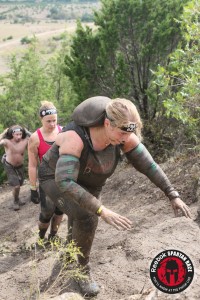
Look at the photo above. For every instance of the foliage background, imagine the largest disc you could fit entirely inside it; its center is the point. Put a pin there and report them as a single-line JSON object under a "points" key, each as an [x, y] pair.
{"points": [[146, 51]]}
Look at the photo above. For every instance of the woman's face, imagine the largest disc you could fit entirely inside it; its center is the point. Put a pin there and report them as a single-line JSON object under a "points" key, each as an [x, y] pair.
{"points": [[115, 135], [49, 122]]}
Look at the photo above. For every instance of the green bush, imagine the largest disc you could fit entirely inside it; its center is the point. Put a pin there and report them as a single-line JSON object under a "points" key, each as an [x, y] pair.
{"points": [[2, 17], [86, 17], [26, 40]]}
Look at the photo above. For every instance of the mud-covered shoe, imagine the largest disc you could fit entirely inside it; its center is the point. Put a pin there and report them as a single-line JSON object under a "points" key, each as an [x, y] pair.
{"points": [[16, 206], [88, 287], [54, 238]]}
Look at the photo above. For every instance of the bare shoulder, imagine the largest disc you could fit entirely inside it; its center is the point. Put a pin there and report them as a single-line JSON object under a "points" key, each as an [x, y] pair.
{"points": [[69, 142], [33, 140], [131, 143]]}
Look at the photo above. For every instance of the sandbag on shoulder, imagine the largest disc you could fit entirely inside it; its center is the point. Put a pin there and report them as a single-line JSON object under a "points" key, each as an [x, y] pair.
{"points": [[91, 112]]}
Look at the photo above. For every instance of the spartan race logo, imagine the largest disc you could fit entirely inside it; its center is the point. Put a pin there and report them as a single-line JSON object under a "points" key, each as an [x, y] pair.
{"points": [[171, 271]]}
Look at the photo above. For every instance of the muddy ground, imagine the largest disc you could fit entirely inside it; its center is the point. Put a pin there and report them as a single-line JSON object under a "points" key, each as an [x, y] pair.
{"points": [[120, 260]]}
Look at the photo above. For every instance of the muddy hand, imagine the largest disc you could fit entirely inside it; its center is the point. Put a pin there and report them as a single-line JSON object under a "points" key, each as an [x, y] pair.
{"points": [[177, 204], [114, 219]]}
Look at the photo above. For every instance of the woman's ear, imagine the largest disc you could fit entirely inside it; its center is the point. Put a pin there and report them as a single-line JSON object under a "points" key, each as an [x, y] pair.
{"points": [[106, 122]]}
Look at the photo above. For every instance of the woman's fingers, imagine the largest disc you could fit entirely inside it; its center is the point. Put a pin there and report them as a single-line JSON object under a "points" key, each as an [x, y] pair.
{"points": [[177, 204], [176, 212], [186, 211], [114, 219], [124, 222], [119, 222]]}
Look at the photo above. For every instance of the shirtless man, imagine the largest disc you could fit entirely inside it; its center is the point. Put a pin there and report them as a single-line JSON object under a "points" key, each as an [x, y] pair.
{"points": [[14, 140]]}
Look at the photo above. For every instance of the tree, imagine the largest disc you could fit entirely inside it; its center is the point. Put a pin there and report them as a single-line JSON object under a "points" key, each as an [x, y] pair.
{"points": [[178, 84], [60, 85], [31, 80], [23, 88], [80, 64], [131, 38]]}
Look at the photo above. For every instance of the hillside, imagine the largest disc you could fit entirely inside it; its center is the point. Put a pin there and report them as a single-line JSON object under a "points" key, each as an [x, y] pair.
{"points": [[120, 260], [43, 19]]}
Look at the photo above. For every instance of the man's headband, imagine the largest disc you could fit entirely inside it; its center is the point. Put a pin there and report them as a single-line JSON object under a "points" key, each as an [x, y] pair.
{"points": [[16, 130], [46, 112]]}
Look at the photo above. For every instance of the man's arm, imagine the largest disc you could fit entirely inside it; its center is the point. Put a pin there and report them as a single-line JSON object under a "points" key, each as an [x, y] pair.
{"points": [[28, 133], [2, 143], [2, 136]]}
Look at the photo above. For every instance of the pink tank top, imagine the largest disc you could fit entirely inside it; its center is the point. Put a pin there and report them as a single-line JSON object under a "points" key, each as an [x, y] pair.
{"points": [[44, 146]]}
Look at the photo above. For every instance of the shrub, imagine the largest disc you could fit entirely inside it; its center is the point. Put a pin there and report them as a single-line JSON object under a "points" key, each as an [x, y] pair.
{"points": [[26, 40]]}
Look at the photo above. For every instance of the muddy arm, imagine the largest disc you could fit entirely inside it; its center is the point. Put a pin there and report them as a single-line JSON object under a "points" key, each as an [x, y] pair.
{"points": [[142, 161], [66, 175], [28, 133]]}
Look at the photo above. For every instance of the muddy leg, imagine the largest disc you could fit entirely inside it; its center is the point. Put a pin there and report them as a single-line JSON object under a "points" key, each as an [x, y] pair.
{"points": [[16, 190], [55, 224], [42, 229], [83, 232]]}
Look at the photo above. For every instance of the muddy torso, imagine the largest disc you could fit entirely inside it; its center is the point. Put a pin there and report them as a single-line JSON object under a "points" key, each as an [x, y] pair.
{"points": [[95, 166]]}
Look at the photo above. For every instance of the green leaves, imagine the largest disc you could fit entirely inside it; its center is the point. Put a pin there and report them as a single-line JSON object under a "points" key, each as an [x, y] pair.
{"points": [[179, 81], [32, 80], [131, 38], [80, 64]]}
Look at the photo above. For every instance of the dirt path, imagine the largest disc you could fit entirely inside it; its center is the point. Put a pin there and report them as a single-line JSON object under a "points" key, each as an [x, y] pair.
{"points": [[41, 32], [16, 42], [10, 47], [120, 260]]}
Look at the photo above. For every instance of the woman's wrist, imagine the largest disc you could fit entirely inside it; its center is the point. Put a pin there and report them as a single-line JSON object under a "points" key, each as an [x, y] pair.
{"points": [[173, 195], [99, 210], [33, 187]]}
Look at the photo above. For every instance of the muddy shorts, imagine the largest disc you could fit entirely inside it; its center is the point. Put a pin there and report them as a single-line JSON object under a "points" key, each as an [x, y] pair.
{"points": [[15, 174]]}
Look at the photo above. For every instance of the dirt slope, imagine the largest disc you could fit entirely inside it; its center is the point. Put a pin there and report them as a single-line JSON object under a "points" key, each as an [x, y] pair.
{"points": [[120, 260]]}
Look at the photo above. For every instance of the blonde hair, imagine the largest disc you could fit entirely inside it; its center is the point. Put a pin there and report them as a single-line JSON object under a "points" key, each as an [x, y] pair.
{"points": [[46, 105], [122, 112]]}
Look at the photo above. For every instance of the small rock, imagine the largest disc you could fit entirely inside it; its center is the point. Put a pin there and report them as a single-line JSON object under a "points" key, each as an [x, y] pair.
{"points": [[68, 296]]}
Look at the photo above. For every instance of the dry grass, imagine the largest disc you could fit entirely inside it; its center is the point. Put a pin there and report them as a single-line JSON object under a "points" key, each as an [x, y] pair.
{"points": [[43, 31], [42, 27], [20, 30]]}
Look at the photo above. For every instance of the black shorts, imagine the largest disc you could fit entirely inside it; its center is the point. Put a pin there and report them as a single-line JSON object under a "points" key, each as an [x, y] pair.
{"points": [[15, 174]]}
